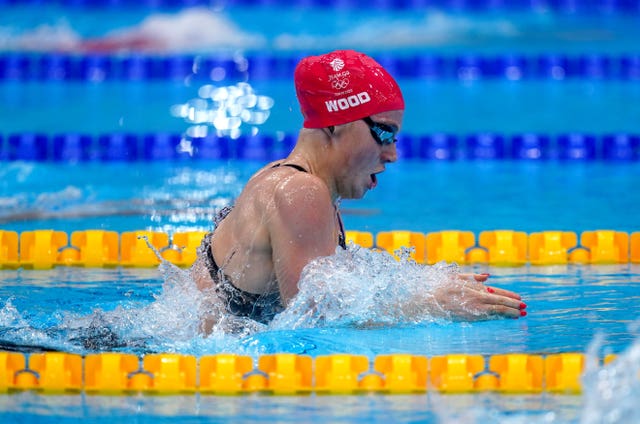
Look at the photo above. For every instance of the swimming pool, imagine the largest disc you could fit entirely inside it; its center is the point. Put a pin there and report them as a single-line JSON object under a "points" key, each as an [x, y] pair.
{"points": [[97, 140]]}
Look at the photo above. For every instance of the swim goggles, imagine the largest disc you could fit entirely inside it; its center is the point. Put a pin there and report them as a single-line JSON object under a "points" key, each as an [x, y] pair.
{"points": [[383, 134]]}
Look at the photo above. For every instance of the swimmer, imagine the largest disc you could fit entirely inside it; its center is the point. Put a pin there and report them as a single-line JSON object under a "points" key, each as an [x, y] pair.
{"points": [[287, 215], [191, 29]]}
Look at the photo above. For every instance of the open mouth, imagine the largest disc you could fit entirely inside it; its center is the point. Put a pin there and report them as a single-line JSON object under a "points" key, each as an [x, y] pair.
{"points": [[374, 180]]}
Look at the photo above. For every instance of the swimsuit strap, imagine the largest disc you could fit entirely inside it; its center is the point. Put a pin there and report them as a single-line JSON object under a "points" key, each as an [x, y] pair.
{"points": [[291, 165], [221, 214], [258, 307], [342, 240]]}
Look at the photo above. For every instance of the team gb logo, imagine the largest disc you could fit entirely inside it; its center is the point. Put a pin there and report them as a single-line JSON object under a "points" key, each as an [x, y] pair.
{"points": [[336, 64]]}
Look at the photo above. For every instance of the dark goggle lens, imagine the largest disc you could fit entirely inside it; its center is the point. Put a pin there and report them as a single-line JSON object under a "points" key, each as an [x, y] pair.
{"points": [[384, 134]]}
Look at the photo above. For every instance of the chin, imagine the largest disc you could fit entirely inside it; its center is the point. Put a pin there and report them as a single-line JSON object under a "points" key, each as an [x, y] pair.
{"points": [[360, 194], [357, 192], [353, 196]]}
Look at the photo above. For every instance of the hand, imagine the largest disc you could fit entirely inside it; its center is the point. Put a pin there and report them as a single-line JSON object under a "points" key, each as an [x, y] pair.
{"points": [[467, 298]]}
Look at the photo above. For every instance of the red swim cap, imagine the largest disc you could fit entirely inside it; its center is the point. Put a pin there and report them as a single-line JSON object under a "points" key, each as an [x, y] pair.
{"points": [[343, 86]]}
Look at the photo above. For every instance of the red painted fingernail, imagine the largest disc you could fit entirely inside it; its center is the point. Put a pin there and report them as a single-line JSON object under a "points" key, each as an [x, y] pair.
{"points": [[523, 313], [490, 290], [523, 305]]}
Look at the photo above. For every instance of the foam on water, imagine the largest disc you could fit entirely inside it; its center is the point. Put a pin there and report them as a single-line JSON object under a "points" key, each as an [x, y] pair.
{"points": [[611, 391], [353, 288], [363, 287]]}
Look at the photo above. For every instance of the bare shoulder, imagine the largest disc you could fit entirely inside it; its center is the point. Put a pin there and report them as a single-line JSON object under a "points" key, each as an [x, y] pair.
{"points": [[302, 225], [302, 191]]}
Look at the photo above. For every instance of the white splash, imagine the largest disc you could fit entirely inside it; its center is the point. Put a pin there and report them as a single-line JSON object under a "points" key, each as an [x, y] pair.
{"points": [[16, 326], [11, 317], [196, 28], [188, 30], [364, 287], [357, 287], [611, 392]]}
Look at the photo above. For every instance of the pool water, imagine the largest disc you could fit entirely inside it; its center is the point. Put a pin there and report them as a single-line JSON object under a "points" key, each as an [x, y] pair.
{"points": [[506, 107], [568, 306], [417, 195], [527, 27], [315, 409], [571, 308]]}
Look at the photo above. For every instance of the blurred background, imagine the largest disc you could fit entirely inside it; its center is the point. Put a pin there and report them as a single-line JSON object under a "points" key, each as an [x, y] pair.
{"points": [[465, 65], [199, 94]]}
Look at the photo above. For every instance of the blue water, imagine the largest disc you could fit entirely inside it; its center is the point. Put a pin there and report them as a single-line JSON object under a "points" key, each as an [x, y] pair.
{"points": [[320, 29], [420, 196], [313, 409], [568, 306], [501, 106], [547, 106]]}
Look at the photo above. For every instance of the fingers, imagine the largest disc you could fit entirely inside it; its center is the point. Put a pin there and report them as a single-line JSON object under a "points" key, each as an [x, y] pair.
{"points": [[505, 306], [489, 302], [506, 301], [481, 278], [505, 311], [502, 292], [475, 277]]}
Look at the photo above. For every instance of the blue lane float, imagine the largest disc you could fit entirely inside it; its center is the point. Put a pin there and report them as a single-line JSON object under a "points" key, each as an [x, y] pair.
{"points": [[406, 146], [162, 146], [555, 66], [118, 147], [27, 147], [621, 147], [562, 6], [126, 147], [484, 146], [72, 147], [576, 146], [211, 147], [96, 68], [438, 146], [530, 146], [630, 67]]}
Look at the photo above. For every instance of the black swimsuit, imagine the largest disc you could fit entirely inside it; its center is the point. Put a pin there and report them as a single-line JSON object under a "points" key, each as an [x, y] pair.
{"points": [[258, 307]]}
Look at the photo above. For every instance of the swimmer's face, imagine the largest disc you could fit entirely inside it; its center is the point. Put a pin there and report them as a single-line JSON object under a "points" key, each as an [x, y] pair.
{"points": [[367, 153]]}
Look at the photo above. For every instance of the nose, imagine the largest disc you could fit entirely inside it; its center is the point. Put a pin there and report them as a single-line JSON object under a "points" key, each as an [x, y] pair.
{"points": [[389, 153]]}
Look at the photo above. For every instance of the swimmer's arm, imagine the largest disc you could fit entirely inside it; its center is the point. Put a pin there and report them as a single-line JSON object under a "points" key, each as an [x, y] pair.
{"points": [[303, 228]]}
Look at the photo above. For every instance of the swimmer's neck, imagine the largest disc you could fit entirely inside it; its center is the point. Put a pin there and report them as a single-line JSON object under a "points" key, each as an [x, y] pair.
{"points": [[317, 165]]}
